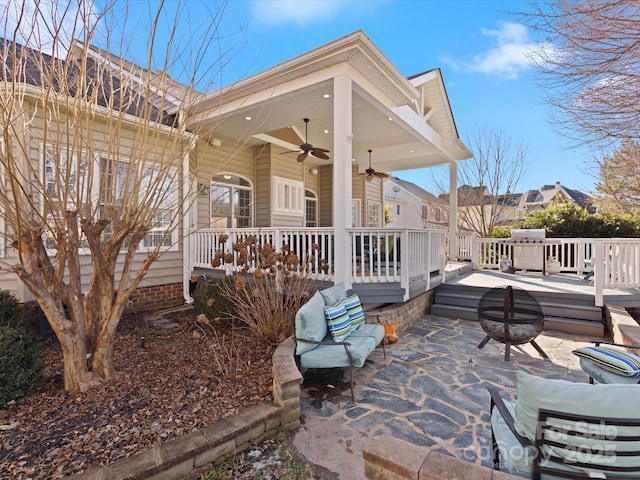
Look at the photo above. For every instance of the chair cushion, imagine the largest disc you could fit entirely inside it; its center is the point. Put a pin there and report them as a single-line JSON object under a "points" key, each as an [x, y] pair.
{"points": [[331, 295], [601, 375], [516, 459], [535, 393], [355, 311], [612, 359], [311, 323], [373, 330], [338, 321], [328, 356]]}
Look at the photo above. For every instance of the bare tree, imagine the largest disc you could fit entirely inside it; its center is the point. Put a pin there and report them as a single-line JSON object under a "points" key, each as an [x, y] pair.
{"points": [[488, 181], [92, 157], [591, 67], [619, 180]]}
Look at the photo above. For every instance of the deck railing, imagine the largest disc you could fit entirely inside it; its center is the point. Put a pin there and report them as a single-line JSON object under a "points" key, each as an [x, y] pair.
{"points": [[615, 262], [616, 265], [378, 255], [570, 252]]}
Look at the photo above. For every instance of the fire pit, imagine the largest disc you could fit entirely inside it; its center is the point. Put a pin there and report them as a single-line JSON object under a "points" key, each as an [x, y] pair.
{"points": [[511, 316]]}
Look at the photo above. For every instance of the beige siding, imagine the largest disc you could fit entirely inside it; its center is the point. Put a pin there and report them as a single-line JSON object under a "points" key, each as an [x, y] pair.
{"points": [[262, 193], [166, 270], [325, 196], [212, 160]]}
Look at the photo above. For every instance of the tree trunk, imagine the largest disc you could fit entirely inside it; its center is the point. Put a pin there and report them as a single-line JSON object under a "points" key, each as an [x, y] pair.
{"points": [[77, 376]]}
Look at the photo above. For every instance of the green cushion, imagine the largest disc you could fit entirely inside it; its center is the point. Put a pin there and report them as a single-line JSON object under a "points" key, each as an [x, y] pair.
{"points": [[311, 323], [514, 458], [612, 359], [338, 321], [331, 295], [601, 375], [373, 330], [328, 356]]}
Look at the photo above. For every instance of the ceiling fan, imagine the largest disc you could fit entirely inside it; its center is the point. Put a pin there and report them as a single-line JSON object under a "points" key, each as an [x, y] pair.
{"points": [[370, 172], [307, 148]]}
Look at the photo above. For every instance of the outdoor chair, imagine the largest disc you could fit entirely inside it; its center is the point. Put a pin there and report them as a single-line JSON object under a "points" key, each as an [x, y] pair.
{"points": [[604, 364], [560, 429]]}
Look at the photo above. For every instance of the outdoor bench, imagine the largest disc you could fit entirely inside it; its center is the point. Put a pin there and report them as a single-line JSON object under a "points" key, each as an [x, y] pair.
{"points": [[331, 331]]}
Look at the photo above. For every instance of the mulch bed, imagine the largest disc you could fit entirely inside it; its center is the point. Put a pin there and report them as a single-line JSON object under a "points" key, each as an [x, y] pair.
{"points": [[170, 387]]}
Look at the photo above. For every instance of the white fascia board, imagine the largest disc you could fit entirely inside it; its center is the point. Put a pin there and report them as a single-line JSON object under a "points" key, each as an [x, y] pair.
{"points": [[267, 94]]}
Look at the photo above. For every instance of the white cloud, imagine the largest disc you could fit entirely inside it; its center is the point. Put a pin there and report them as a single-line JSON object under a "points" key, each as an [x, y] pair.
{"points": [[508, 58], [302, 13], [46, 24]]}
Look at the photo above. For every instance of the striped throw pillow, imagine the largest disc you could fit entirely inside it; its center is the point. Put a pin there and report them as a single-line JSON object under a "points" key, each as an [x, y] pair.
{"points": [[338, 321], [355, 311], [612, 359]]}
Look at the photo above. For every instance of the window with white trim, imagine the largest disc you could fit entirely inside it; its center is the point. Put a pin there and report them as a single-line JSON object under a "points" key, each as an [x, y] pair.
{"points": [[231, 201], [374, 214], [310, 209], [165, 184], [289, 196]]}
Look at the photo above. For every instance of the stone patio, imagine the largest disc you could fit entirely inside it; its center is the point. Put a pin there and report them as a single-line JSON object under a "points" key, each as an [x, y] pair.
{"points": [[430, 391]]}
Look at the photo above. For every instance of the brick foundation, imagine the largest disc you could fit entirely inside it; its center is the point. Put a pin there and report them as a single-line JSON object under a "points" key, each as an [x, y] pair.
{"points": [[155, 297], [402, 314]]}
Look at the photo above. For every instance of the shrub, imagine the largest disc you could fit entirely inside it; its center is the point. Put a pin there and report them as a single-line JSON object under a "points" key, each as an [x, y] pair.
{"points": [[21, 363], [10, 313], [210, 298]]}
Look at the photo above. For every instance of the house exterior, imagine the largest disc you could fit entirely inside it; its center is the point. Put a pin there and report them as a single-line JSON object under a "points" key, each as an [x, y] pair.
{"points": [[410, 206], [242, 169], [542, 198]]}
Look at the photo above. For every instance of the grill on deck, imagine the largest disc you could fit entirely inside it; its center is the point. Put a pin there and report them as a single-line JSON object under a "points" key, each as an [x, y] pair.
{"points": [[511, 316], [528, 252]]}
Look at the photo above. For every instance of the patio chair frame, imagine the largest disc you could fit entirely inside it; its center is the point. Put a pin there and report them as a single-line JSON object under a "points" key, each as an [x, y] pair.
{"points": [[547, 462]]}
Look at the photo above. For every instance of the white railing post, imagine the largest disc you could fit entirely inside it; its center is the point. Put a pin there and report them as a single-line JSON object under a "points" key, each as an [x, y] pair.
{"points": [[404, 260], [599, 273]]}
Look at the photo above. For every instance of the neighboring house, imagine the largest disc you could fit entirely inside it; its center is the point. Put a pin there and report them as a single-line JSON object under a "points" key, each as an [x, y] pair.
{"points": [[249, 182], [410, 206], [541, 199], [503, 210]]}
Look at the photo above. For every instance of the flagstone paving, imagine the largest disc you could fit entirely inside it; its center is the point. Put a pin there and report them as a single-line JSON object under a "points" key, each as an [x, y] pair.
{"points": [[430, 391]]}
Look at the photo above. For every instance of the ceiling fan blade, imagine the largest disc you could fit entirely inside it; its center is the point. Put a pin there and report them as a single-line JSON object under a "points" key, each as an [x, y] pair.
{"points": [[320, 155], [322, 150], [291, 151], [381, 175], [302, 157]]}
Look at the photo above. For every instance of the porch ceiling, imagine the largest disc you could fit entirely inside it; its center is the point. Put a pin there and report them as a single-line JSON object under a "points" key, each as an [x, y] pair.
{"points": [[394, 148]]}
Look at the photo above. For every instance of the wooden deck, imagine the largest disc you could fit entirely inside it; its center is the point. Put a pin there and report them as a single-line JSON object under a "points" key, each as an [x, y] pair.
{"points": [[566, 284]]}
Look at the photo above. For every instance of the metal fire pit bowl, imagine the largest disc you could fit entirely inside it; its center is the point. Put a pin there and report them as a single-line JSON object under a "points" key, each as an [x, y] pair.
{"points": [[511, 316]]}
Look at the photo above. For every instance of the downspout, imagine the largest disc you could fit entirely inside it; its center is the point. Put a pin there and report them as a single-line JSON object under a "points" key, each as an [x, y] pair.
{"points": [[453, 211], [189, 201]]}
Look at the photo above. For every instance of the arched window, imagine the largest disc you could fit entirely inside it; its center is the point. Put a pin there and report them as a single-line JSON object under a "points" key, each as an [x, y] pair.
{"points": [[310, 209], [231, 201]]}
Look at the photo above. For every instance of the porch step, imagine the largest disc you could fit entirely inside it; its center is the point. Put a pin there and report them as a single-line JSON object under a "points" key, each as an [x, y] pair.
{"points": [[378, 294], [571, 313]]}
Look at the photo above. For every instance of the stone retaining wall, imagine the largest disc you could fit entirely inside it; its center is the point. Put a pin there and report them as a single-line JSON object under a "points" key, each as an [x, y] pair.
{"points": [[622, 326], [402, 314], [389, 458], [201, 450]]}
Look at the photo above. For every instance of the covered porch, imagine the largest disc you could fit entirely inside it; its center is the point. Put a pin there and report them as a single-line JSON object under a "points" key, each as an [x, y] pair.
{"points": [[384, 265]]}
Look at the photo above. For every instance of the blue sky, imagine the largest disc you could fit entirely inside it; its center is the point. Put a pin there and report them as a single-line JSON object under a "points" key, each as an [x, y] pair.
{"points": [[479, 47]]}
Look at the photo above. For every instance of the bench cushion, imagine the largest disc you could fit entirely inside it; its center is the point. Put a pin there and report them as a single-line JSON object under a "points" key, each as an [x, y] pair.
{"points": [[338, 320], [311, 323], [331, 295], [373, 330], [329, 356]]}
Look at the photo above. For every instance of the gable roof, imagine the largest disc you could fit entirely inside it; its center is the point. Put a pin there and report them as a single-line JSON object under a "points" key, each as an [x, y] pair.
{"points": [[414, 189], [117, 88]]}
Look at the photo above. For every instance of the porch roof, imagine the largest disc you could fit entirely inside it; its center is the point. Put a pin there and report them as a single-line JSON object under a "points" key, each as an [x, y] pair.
{"points": [[407, 125]]}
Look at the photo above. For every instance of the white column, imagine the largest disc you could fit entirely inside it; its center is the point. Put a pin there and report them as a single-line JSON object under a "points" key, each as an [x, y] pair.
{"points": [[453, 210], [342, 155]]}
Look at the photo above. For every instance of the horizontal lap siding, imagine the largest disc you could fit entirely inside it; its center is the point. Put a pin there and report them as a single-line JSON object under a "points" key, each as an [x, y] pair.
{"points": [[262, 190], [325, 200]]}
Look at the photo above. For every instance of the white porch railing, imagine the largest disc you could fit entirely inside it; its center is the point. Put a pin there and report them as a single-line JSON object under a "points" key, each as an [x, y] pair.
{"points": [[616, 265], [378, 255]]}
